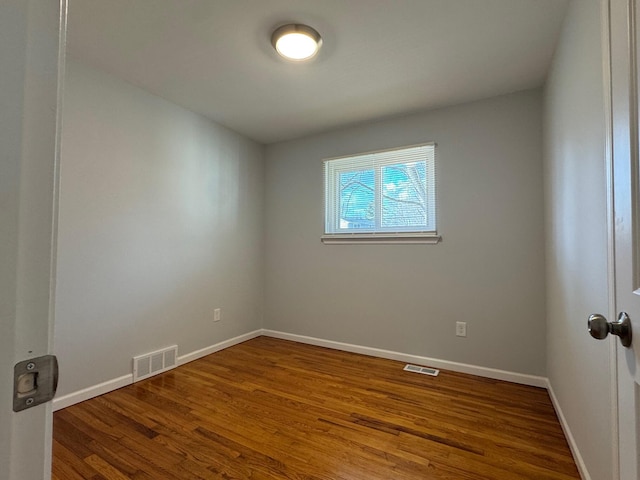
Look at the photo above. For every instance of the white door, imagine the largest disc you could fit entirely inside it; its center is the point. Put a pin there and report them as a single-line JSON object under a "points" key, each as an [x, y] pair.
{"points": [[31, 65], [626, 221]]}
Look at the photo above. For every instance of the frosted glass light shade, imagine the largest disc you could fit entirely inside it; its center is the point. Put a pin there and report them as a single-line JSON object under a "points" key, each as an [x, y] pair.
{"points": [[296, 42]]}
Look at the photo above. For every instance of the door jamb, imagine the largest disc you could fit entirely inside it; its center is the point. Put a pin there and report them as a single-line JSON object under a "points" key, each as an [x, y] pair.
{"points": [[610, 221]]}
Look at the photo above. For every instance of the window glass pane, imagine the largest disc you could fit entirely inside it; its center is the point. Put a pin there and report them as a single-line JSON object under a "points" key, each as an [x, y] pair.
{"points": [[390, 192], [357, 200], [404, 195]]}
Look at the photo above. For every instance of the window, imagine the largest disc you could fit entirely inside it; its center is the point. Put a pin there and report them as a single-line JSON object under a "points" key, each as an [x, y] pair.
{"points": [[383, 197]]}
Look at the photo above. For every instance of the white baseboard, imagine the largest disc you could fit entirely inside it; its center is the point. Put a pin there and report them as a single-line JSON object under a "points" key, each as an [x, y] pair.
{"points": [[110, 385], [86, 393], [532, 380], [203, 352], [496, 374], [582, 468], [105, 387]]}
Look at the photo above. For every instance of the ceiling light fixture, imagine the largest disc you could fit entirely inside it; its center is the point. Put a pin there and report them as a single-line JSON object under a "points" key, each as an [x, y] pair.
{"points": [[296, 42]]}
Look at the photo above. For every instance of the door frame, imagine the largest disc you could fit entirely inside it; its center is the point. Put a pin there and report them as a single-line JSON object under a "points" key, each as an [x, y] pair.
{"points": [[605, 19], [33, 43]]}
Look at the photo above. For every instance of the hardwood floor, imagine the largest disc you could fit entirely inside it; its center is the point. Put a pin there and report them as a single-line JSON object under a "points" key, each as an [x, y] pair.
{"points": [[273, 409]]}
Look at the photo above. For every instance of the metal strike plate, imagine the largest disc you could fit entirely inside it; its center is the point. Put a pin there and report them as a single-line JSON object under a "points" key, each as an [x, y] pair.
{"points": [[35, 381]]}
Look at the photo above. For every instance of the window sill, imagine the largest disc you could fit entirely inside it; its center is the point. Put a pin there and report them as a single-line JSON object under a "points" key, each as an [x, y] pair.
{"points": [[381, 238]]}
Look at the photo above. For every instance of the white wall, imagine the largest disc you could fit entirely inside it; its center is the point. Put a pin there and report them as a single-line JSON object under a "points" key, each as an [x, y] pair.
{"points": [[488, 270], [160, 223], [576, 236]]}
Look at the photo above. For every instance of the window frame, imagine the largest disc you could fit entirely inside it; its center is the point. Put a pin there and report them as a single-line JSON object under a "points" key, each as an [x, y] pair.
{"points": [[335, 166]]}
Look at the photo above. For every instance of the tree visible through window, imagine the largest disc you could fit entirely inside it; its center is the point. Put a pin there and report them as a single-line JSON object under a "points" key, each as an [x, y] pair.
{"points": [[389, 191]]}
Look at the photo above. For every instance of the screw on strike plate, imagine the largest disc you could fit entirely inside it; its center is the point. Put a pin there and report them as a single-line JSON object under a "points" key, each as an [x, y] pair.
{"points": [[29, 401], [31, 366]]}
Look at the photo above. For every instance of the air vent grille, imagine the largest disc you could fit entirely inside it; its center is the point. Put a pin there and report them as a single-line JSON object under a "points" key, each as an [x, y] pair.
{"points": [[423, 370], [152, 363]]}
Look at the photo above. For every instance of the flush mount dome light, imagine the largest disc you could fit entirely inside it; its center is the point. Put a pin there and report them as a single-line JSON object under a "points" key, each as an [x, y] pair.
{"points": [[296, 42]]}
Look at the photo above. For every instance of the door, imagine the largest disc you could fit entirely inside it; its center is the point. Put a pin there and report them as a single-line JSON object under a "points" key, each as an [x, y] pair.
{"points": [[626, 221], [31, 56]]}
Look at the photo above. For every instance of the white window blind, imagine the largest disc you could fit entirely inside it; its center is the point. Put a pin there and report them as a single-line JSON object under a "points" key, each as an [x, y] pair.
{"points": [[390, 192]]}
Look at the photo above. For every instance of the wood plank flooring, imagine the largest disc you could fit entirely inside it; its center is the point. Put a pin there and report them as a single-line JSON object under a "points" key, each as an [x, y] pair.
{"points": [[274, 409]]}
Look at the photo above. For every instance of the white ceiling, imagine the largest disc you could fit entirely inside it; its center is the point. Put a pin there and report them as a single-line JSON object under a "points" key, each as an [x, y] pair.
{"points": [[380, 58]]}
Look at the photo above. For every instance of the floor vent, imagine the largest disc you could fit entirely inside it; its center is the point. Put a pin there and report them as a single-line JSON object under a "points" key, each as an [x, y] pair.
{"points": [[423, 370], [149, 364]]}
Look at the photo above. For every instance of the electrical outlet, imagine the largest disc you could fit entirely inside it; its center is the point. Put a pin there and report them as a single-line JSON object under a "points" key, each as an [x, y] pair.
{"points": [[217, 315], [461, 329]]}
